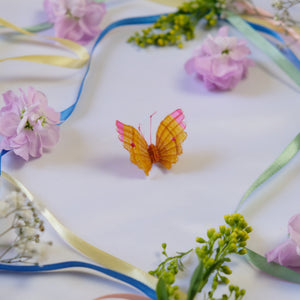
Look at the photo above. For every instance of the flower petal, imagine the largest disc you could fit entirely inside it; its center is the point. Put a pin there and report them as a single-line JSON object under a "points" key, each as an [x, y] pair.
{"points": [[221, 62], [294, 229], [285, 254]]}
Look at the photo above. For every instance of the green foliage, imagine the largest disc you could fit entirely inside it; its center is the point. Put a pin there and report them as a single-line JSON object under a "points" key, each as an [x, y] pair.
{"points": [[213, 258], [161, 290], [170, 29], [195, 281], [214, 253], [167, 269]]}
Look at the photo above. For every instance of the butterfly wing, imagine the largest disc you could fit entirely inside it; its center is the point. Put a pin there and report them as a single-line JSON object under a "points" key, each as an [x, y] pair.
{"points": [[169, 137], [134, 142]]}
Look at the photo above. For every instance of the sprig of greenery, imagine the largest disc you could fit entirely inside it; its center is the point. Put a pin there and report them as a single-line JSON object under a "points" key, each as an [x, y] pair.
{"points": [[168, 269], [170, 29], [213, 255]]}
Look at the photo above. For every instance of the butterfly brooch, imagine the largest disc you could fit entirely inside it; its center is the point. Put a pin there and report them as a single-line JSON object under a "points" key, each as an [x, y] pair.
{"points": [[169, 137]]}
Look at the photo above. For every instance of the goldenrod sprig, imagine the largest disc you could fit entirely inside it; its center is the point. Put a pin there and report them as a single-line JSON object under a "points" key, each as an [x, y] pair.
{"points": [[213, 258], [215, 251], [171, 28]]}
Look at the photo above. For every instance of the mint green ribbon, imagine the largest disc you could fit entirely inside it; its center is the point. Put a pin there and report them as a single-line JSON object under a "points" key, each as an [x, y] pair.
{"points": [[288, 153], [284, 158], [265, 46], [257, 260], [39, 27]]}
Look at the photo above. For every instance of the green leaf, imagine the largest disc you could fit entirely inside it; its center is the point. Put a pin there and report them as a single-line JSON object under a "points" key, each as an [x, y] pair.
{"points": [[195, 281], [161, 290], [273, 269]]}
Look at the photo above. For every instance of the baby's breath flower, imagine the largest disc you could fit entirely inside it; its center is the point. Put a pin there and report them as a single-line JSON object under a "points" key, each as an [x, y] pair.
{"points": [[4, 208], [16, 200], [283, 12], [27, 227]]}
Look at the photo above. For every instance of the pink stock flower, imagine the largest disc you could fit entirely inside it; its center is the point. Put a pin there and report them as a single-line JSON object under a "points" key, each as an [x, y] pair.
{"points": [[76, 20], [288, 253], [221, 62], [28, 124]]}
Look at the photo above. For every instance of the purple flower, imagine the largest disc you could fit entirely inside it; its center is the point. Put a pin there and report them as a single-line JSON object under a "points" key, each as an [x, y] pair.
{"points": [[76, 20], [221, 62], [288, 253], [28, 124]]}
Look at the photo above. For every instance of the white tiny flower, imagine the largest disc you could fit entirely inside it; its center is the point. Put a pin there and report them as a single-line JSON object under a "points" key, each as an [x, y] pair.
{"points": [[20, 247], [277, 4], [41, 251], [26, 248], [4, 208], [29, 232], [26, 232], [26, 225], [16, 199], [26, 216], [31, 248], [20, 223]]}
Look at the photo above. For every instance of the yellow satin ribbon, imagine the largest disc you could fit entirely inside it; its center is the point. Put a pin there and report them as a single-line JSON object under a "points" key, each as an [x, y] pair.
{"points": [[56, 60], [174, 3], [102, 258]]}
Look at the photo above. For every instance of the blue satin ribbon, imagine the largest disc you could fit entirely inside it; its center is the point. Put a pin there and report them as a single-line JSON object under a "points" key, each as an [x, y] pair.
{"points": [[124, 22], [65, 114], [284, 50], [78, 264]]}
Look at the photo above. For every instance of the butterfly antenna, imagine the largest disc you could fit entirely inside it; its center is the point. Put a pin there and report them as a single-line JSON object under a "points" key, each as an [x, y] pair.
{"points": [[151, 126], [140, 131]]}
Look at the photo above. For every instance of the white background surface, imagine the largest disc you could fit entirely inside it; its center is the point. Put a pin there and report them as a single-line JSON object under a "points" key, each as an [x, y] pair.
{"points": [[88, 182]]}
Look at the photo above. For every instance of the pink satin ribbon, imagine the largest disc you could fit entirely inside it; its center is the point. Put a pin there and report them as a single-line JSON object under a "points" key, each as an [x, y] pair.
{"points": [[124, 296]]}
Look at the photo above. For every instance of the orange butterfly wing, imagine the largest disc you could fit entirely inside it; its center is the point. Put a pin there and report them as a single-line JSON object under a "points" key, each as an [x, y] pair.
{"points": [[137, 146], [169, 137]]}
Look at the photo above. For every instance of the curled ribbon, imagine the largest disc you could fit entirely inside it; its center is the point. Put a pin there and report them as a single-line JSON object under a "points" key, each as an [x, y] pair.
{"points": [[79, 264], [117, 267], [56, 60], [254, 258]]}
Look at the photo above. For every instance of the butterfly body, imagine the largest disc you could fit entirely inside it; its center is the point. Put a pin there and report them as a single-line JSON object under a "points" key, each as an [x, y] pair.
{"points": [[169, 137], [153, 153]]}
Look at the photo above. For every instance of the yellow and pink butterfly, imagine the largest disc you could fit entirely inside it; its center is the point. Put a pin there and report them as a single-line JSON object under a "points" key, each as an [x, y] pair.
{"points": [[169, 137]]}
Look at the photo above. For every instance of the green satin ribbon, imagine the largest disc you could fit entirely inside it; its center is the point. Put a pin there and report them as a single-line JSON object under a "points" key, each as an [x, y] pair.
{"points": [[97, 255], [257, 260], [284, 158], [39, 27], [265, 46], [288, 153]]}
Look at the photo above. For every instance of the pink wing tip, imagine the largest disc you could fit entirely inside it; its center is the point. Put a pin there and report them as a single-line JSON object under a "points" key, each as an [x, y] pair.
{"points": [[179, 117], [120, 130]]}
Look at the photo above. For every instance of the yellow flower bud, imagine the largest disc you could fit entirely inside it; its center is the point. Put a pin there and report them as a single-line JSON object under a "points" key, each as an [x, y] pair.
{"points": [[160, 42], [242, 251], [210, 232]]}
